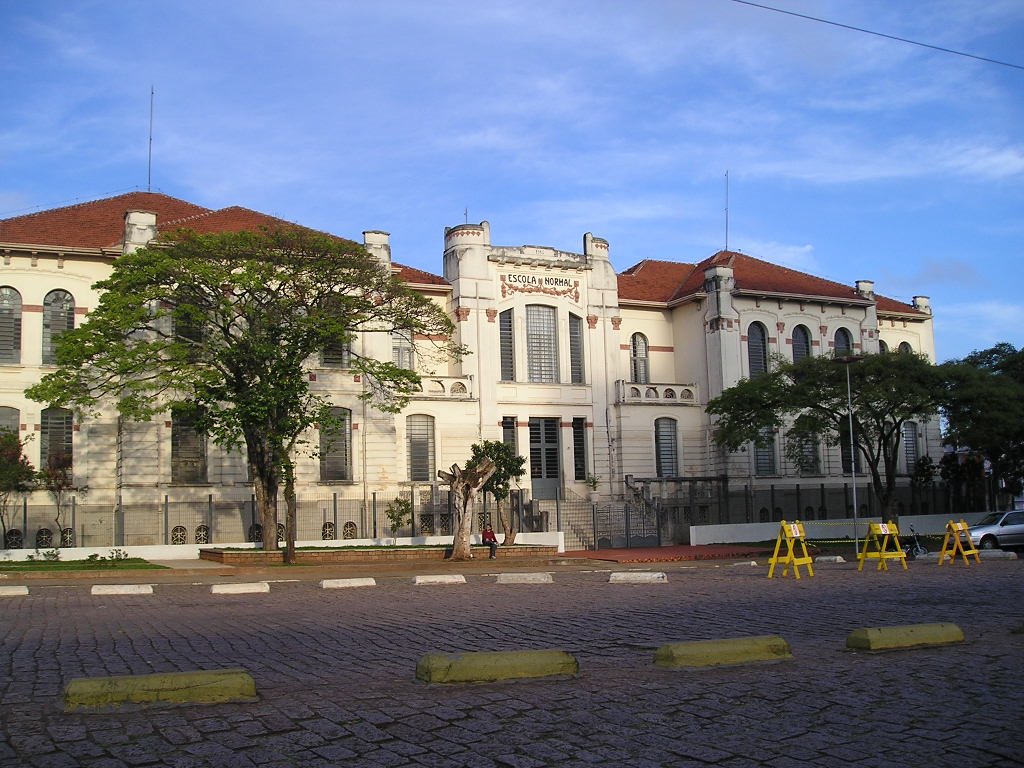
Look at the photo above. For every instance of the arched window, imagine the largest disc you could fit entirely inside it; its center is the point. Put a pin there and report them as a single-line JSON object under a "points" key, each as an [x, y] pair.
{"points": [[843, 342], [10, 419], [10, 326], [541, 343], [419, 430], [883, 348], [336, 447], [639, 368], [757, 350], [666, 447], [905, 348], [188, 448], [58, 316], [801, 343], [55, 448]]}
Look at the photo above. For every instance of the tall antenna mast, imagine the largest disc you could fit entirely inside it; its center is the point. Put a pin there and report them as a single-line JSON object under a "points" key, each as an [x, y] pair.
{"points": [[465, 212], [149, 167], [727, 210]]}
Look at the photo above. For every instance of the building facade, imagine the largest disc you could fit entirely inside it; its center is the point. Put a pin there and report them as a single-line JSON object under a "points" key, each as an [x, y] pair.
{"points": [[599, 378]]}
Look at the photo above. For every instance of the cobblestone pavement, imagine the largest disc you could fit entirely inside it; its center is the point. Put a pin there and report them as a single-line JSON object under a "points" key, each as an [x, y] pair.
{"points": [[335, 672]]}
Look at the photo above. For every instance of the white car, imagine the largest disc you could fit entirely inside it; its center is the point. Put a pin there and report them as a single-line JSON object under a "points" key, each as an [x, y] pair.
{"points": [[998, 529]]}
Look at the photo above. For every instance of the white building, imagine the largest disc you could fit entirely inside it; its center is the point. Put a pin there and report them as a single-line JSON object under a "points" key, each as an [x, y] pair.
{"points": [[599, 379]]}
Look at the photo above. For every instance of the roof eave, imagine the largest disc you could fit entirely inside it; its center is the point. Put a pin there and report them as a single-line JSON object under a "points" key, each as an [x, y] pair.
{"points": [[806, 297], [60, 250]]}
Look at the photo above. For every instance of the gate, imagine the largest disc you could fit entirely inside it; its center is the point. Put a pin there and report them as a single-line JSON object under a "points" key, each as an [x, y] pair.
{"points": [[627, 525]]}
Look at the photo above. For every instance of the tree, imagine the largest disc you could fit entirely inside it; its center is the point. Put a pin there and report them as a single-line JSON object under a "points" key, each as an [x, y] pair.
{"points": [[465, 484], [509, 466], [225, 325], [17, 477], [57, 477], [808, 400], [984, 412]]}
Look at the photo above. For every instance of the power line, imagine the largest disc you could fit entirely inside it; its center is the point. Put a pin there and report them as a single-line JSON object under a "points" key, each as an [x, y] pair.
{"points": [[879, 34]]}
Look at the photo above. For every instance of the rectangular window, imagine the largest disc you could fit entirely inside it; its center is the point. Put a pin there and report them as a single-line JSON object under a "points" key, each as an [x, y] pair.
{"points": [[541, 344], [666, 450], [55, 446], [579, 448], [764, 455], [910, 451], [336, 447], [403, 352], [420, 433], [576, 349], [506, 344], [188, 449], [508, 431], [337, 355], [845, 448]]}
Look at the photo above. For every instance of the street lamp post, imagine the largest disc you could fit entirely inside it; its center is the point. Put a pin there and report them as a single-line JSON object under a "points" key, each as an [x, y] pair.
{"points": [[847, 361]]}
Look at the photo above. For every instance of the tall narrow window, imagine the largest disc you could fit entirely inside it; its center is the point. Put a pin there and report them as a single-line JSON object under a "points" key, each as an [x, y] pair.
{"points": [[810, 456], [576, 349], [10, 325], [420, 434], [639, 370], [403, 352], [508, 431], [55, 448], [883, 348], [666, 448], [757, 350], [801, 343], [579, 448], [10, 419], [846, 449], [910, 448], [843, 342], [188, 448], [506, 345], [58, 316], [541, 343], [336, 447], [337, 355], [764, 455]]}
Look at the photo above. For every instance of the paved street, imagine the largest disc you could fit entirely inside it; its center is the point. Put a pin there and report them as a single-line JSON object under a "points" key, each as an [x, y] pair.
{"points": [[335, 672]]}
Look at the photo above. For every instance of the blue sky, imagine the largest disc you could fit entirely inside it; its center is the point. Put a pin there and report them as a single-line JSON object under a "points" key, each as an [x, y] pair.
{"points": [[849, 156]]}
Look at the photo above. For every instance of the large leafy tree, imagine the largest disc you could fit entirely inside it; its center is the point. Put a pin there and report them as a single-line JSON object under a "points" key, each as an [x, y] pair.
{"points": [[225, 326], [984, 412], [808, 400], [509, 466]]}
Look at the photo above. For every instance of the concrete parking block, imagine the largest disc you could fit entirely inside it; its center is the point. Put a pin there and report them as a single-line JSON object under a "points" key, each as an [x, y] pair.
{"points": [[713, 653], [484, 666], [13, 591], [524, 578], [443, 578], [346, 583], [240, 588], [638, 577], [906, 636], [215, 686], [829, 559], [122, 589]]}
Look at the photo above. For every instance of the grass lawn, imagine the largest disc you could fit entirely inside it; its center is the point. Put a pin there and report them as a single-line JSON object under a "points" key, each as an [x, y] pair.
{"points": [[124, 564]]}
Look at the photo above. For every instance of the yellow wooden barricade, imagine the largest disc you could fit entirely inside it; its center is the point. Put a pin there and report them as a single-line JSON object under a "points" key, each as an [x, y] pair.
{"points": [[956, 538], [876, 546], [792, 534]]}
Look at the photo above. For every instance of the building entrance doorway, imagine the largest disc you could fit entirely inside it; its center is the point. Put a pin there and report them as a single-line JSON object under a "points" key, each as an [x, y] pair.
{"points": [[545, 472]]}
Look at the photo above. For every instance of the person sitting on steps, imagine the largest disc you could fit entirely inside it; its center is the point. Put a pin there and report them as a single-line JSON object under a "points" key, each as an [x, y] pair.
{"points": [[487, 537]]}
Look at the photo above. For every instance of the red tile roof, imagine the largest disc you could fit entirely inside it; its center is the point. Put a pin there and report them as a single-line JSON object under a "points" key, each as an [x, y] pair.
{"points": [[96, 224], [417, 276], [662, 281]]}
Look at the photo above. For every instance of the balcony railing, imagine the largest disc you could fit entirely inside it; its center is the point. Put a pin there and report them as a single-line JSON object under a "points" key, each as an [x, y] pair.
{"points": [[445, 388], [632, 393]]}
